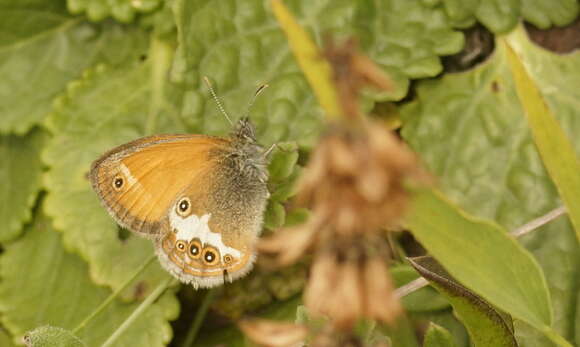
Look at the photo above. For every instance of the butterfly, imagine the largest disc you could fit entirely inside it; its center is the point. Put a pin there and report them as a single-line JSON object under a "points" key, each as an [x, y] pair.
{"points": [[200, 199]]}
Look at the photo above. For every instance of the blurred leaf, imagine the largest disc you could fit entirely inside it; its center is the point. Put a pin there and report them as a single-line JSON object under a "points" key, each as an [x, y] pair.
{"points": [[471, 132], [545, 13], [48, 336], [104, 109], [501, 16], [57, 290], [557, 152], [486, 326], [283, 160], [240, 46], [401, 333], [275, 215], [317, 70], [437, 336], [5, 338], [448, 321], [20, 172], [123, 11], [424, 299], [508, 276], [232, 337], [67, 45]]}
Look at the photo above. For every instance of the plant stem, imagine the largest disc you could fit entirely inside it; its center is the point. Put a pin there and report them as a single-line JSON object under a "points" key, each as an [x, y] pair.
{"points": [[524, 229], [113, 295], [538, 222], [199, 317], [135, 314]]}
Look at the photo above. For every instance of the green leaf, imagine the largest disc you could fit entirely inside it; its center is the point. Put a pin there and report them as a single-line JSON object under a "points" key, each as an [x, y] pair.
{"points": [[48, 336], [507, 275], [104, 109], [67, 45], [56, 290], [5, 338], [275, 215], [317, 71], [437, 336], [282, 161], [448, 321], [422, 300], [545, 13], [486, 326], [20, 172], [123, 11], [501, 16], [556, 150], [240, 47], [470, 131]]}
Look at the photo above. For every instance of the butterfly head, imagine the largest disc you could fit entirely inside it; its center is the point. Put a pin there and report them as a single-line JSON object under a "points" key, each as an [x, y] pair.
{"points": [[245, 131]]}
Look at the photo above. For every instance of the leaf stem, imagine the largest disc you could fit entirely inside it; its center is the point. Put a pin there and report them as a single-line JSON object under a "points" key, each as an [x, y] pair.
{"points": [[135, 314], [524, 229], [199, 317], [113, 295], [538, 222]]}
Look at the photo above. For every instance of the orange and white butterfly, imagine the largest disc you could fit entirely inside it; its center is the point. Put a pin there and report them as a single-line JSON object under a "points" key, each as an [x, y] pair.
{"points": [[200, 198]]}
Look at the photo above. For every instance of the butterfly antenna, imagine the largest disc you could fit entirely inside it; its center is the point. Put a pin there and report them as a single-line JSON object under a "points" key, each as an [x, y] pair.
{"points": [[217, 100], [258, 91]]}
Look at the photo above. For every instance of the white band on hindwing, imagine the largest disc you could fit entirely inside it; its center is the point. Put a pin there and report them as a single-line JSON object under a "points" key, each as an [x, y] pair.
{"points": [[192, 227]]}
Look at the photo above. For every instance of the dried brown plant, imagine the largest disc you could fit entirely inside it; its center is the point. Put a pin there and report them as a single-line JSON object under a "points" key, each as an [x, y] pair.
{"points": [[354, 184]]}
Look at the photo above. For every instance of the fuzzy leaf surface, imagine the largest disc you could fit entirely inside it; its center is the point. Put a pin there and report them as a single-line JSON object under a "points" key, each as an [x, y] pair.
{"points": [[42, 47], [470, 130], [20, 174], [57, 290], [240, 46]]}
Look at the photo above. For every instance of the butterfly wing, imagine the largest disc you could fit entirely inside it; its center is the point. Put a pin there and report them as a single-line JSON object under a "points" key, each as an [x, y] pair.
{"points": [[138, 181], [201, 197], [213, 226]]}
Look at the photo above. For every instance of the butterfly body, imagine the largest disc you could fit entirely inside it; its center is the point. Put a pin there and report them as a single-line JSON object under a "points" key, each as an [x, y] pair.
{"points": [[200, 198]]}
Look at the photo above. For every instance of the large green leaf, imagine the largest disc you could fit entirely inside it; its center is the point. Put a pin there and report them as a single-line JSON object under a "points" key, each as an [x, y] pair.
{"points": [[106, 108], [239, 45], [482, 257], [43, 284], [42, 47], [20, 172], [470, 131], [486, 326]]}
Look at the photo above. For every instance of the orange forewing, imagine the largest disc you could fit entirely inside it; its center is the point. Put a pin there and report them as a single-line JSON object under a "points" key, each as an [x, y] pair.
{"points": [[154, 171]]}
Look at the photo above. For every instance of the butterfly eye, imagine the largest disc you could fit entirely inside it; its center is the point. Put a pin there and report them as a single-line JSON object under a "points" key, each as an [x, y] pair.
{"points": [[183, 207], [210, 255], [118, 182], [194, 249], [180, 245]]}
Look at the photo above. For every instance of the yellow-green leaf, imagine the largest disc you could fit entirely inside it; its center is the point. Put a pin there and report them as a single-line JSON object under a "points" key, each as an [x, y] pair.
{"points": [[555, 148]]}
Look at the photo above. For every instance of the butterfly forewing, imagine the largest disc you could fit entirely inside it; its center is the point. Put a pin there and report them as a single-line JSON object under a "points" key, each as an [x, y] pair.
{"points": [[137, 182]]}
